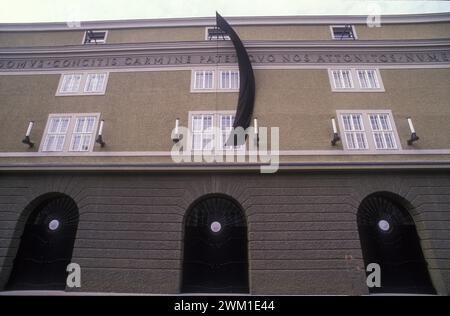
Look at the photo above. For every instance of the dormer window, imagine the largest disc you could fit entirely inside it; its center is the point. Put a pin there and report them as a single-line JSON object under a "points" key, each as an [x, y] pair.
{"points": [[343, 32], [95, 37], [216, 34]]}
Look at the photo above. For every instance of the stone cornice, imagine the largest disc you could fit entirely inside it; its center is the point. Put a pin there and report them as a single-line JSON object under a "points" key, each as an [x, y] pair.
{"points": [[192, 46], [230, 167], [208, 21]]}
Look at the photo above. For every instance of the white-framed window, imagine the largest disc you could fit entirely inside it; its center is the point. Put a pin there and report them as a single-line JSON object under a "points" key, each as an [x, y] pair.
{"points": [[70, 83], [203, 79], [383, 135], [342, 78], [85, 83], [70, 132], [355, 80], [215, 34], [55, 137], [343, 32], [204, 125], [202, 131], [95, 37], [368, 78], [95, 83], [83, 133], [354, 134], [215, 80], [229, 79], [369, 130]]}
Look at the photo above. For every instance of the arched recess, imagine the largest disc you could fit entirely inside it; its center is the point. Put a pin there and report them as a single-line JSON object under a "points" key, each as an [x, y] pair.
{"points": [[389, 238], [215, 257], [46, 244]]}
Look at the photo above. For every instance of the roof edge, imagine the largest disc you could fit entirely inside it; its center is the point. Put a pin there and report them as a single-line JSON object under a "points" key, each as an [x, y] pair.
{"points": [[209, 21]]}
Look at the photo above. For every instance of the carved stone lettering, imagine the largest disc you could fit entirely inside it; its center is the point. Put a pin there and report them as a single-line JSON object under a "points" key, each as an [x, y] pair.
{"points": [[260, 58]]}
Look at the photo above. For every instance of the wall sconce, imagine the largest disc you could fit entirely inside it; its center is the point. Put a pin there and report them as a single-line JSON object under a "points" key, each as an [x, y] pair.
{"points": [[336, 137], [27, 140], [255, 128], [100, 134], [176, 136], [414, 136]]}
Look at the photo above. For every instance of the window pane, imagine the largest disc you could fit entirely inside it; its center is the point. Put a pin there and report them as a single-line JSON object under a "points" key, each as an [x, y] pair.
{"points": [[337, 79], [85, 142], [225, 80], [66, 83], [49, 143], [197, 123], [207, 122], [384, 119], [346, 120], [390, 140], [350, 140], [76, 83], [64, 124], [374, 122], [226, 122], [198, 80], [90, 122], [207, 141], [235, 80], [361, 140], [357, 122], [346, 79], [373, 82], [100, 82], [79, 125], [197, 141], [59, 142], [362, 79], [54, 123], [76, 142], [379, 144], [208, 80]]}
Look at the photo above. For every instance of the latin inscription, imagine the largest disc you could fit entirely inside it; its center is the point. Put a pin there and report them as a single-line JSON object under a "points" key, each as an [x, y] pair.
{"points": [[310, 58]]}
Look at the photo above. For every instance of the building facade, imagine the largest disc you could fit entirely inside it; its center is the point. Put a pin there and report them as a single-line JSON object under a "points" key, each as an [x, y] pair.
{"points": [[358, 141]]}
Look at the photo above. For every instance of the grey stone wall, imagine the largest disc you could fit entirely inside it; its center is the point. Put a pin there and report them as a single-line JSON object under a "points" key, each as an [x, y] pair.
{"points": [[302, 230]]}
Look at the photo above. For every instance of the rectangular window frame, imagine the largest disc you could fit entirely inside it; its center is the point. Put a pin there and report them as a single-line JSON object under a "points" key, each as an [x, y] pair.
{"points": [[83, 83], [103, 41], [357, 86], [216, 122], [66, 148], [369, 132], [226, 37], [217, 74], [355, 36]]}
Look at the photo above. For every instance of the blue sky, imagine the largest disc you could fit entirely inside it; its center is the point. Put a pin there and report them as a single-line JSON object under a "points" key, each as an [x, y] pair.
{"points": [[90, 10]]}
